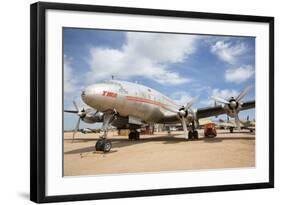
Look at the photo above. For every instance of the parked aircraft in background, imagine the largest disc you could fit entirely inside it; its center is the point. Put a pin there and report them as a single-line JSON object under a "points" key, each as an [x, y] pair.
{"points": [[128, 105], [244, 125], [89, 130]]}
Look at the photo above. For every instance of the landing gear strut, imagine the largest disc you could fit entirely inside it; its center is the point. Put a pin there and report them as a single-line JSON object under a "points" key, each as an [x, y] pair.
{"points": [[103, 144]]}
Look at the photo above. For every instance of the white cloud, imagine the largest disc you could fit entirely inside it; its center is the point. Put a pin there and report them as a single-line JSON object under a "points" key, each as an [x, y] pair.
{"points": [[171, 48], [181, 97], [206, 102], [229, 52], [69, 81], [222, 93], [143, 54], [239, 74], [225, 93]]}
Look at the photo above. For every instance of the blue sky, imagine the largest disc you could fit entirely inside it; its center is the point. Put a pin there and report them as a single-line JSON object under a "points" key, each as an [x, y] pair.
{"points": [[180, 66]]}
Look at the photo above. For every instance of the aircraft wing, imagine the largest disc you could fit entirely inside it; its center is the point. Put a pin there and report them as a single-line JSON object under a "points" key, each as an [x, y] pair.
{"points": [[219, 110], [227, 124], [248, 105], [204, 121]]}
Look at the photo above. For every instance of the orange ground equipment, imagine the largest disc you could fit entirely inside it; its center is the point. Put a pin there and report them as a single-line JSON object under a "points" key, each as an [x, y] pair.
{"points": [[210, 130]]}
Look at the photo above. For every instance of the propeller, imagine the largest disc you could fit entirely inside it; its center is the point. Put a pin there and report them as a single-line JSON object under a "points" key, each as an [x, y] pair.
{"points": [[183, 113], [243, 93], [221, 100], [234, 104], [81, 114]]}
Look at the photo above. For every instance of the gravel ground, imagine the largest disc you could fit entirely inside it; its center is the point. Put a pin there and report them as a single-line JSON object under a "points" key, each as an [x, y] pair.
{"points": [[158, 152]]}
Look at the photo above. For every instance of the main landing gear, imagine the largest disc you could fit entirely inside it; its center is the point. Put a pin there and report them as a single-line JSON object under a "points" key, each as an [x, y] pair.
{"points": [[134, 135], [193, 134]]}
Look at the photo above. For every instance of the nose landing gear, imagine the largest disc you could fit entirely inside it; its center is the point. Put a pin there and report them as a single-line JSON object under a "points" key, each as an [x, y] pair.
{"points": [[103, 144]]}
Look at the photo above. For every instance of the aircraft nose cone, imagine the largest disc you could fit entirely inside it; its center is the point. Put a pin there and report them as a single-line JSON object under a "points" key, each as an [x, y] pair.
{"points": [[83, 93], [92, 94], [86, 95]]}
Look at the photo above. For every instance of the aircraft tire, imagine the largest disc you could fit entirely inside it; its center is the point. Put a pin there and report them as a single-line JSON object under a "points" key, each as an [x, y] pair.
{"points": [[106, 146], [190, 135], [134, 135], [137, 136], [99, 145], [195, 134], [131, 135]]}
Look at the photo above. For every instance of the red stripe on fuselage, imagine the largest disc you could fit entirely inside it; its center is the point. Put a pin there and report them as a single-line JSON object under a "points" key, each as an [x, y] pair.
{"points": [[144, 100]]}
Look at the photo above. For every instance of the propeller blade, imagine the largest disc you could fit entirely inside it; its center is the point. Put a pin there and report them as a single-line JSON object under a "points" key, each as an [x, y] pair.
{"points": [[76, 129], [243, 93], [196, 123], [184, 128], [221, 100], [75, 105], [189, 104], [237, 121], [96, 112], [71, 111]]}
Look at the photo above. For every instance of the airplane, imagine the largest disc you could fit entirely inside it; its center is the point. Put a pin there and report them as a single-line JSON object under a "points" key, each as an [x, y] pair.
{"points": [[127, 105], [244, 124]]}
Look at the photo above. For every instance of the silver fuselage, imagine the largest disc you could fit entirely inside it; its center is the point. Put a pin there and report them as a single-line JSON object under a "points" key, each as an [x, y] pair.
{"points": [[131, 99]]}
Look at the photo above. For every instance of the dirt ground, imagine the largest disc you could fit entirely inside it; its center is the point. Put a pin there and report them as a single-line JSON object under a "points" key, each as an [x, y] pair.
{"points": [[158, 152]]}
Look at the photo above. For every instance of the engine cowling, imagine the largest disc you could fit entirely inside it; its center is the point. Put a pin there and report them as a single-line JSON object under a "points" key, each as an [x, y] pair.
{"points": [[233, 107], [187, 114], [92, 117]]}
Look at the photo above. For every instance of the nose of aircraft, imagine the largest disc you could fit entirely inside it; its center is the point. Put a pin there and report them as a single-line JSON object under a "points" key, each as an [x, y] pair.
{"points": [[87, 94], [83, 93], [91, 95]]}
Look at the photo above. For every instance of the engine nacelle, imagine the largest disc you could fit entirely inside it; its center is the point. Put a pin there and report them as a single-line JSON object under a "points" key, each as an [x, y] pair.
{"points": [[231, 110], [93, 117], [189, 114]]}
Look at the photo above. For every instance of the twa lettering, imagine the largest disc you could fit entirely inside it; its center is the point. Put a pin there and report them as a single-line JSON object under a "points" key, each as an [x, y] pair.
{"points": [[109, 94]]}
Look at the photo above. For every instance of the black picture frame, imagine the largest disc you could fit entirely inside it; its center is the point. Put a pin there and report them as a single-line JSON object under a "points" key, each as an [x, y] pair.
{"points": [[38, 101]]}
